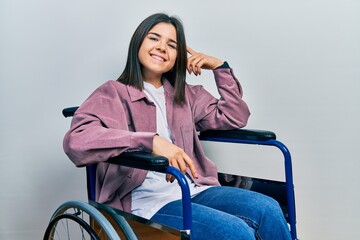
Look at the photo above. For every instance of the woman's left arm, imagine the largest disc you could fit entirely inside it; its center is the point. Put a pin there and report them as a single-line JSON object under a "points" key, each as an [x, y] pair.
{"points": [[229, 111]]}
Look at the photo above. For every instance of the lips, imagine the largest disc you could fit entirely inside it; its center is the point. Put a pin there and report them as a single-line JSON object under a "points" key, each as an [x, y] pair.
{"points": [[156, 57]]}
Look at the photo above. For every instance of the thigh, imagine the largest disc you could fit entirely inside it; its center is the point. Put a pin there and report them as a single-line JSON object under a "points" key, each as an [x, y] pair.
{"points": [[260, 212], [238, 202], [208, 223]]}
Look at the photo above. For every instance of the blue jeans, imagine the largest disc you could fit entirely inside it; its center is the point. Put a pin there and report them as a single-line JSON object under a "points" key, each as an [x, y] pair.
{"points": [[229, 213]]}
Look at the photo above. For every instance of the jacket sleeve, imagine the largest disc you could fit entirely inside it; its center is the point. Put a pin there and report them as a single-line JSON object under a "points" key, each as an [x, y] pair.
{"points": [[228, 112], [99, 129]]}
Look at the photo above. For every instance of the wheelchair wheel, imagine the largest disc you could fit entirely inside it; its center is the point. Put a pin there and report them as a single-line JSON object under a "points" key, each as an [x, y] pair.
{"points": [[79, 220], [119, 222]]}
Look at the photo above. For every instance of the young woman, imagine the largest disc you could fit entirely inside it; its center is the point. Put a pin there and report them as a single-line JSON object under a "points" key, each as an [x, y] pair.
{"points": [[151, 108]]}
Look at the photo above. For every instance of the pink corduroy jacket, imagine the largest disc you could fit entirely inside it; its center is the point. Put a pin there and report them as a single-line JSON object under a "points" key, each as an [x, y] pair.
{"points": [[118, 118]]}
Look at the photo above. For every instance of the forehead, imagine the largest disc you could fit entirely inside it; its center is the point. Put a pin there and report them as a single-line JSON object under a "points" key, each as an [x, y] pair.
{"points": [[164, 30]]}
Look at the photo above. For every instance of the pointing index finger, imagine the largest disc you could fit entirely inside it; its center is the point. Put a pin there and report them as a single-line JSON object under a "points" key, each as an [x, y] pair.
{"points": [[189, 50]]}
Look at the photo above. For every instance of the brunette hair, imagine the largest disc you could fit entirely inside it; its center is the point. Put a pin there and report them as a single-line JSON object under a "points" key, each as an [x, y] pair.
{"points": [[132, 73]]}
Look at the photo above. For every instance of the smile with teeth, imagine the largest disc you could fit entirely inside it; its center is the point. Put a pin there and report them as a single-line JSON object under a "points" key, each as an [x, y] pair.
{"points": [[158, 58]]}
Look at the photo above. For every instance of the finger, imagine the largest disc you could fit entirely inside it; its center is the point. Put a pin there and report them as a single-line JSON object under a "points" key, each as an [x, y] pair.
{"points": [[189, 65], [199, 65], [189, 70], [192, 61], [181, 166], [190, 50], [191, 166], [202, 62], [173, 163], [195, 64], [170, 178], [199, 71]]}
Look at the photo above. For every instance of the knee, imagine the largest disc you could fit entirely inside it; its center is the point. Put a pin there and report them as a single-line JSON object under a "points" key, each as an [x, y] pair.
{"points": [[272, 207]]}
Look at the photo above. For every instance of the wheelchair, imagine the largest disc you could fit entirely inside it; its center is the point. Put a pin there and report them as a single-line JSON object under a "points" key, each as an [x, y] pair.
{"points": [[92, 220]]}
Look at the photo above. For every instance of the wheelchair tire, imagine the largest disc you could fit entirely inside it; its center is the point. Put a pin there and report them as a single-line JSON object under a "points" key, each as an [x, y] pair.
{"points": [[52, 233], [79, 220]]}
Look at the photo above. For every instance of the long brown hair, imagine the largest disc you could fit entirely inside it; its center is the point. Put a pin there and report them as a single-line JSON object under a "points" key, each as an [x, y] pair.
{"points": [[177, 76]]}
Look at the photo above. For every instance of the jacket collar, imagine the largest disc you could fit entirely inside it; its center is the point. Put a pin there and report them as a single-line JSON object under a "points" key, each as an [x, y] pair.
{"points": [[168, 88], [136, 94]]}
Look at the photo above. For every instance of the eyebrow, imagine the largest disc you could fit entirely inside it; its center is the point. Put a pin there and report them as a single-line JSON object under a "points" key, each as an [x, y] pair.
{"points": [[158, 35]]}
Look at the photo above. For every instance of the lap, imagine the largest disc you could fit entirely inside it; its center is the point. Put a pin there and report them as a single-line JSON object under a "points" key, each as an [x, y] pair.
{"points": [[215, 223], [228, 213], [239, 202]]}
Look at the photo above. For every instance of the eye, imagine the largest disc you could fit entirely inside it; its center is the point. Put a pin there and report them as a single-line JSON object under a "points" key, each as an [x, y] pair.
{"points": [[153, 39], [172, 46]]}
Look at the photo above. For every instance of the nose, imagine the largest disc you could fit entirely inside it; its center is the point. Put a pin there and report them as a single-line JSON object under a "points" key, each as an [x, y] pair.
{"points": [[161, 46]]}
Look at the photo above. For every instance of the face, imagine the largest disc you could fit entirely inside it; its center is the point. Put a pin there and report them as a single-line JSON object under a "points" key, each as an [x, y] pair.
{"points": [[158, 51]]}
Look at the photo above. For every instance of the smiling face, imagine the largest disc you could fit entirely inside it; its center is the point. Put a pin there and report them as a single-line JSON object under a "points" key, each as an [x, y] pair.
{"points": [[158, 52]]}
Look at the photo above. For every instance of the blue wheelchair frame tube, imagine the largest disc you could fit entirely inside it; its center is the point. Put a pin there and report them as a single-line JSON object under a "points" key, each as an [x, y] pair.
{"points": [[288, 172], [186, 199]]}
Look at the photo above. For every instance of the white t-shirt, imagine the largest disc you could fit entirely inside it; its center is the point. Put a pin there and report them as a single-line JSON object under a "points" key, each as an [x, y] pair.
{"points": [[155, 192]]}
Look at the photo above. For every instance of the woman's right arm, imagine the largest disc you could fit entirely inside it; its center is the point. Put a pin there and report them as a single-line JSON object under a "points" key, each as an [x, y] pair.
{"points": [[99, 129]]}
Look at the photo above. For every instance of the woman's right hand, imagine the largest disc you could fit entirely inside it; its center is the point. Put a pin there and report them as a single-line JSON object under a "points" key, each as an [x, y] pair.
{"points": [[176, 156]]}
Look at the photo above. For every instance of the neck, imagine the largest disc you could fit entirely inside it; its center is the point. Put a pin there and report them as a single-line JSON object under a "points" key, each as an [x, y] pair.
{"points": [[154, 80]]}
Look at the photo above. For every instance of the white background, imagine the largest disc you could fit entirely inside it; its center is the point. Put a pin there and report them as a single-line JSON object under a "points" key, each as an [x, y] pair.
{"points": [[298, 63]]}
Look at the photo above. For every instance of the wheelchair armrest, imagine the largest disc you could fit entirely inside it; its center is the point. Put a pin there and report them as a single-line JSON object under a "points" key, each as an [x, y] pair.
{"points": [[141, 160], [239, 134]]}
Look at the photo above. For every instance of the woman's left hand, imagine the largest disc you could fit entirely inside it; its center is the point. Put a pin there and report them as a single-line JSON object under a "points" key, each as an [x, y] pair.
{"points": [[198, 61]]}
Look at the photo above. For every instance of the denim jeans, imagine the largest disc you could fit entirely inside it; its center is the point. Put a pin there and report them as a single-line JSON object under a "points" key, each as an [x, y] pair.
{"points": [[229, 213]]}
